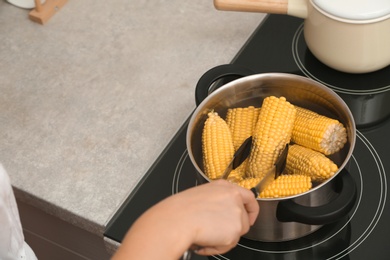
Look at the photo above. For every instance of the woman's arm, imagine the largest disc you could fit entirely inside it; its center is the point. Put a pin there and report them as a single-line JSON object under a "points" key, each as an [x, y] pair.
{"points": [[212, 216]]}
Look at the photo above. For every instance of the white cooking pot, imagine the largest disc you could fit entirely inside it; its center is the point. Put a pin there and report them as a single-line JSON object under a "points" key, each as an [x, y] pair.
{"points": [[348, 35]]}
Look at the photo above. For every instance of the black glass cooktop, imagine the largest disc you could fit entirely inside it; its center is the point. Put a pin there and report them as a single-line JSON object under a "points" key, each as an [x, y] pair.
{"points": [[277, 46]]}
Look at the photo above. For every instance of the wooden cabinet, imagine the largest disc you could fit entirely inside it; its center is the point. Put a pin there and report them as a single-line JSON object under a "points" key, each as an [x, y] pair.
{"points": [[53, 238]]}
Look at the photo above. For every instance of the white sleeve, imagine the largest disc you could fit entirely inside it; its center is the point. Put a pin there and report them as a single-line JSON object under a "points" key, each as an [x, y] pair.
{"points": [[12, 245]]}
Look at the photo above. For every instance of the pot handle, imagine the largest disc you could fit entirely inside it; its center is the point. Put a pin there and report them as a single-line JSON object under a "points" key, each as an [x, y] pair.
{"points": [[296, 8], [273, 7], [288, 210], [216, 73]]}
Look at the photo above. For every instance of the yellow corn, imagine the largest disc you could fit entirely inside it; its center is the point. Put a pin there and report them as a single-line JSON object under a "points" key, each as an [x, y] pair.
{"points": [[217, 146], [302, 160], [283, 186], [249, 183], [236, 175], [287, 185], [318, 132], [241, 122], [272, 132]]}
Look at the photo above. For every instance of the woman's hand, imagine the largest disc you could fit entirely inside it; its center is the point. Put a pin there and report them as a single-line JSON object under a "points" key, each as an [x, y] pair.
{"points": [[218, 213], [211, 216]]}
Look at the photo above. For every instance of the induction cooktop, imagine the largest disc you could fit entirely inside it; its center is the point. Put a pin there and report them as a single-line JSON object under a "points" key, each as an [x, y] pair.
{"points": [[277, 45]]}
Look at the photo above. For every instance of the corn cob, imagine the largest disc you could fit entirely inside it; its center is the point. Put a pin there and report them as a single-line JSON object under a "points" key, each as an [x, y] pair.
{"points": [[287, 185], [249, 183], [236, 175], [272, 132], [241, 122], [217, 146], [302, 160], [318, 132], [283, 186]]}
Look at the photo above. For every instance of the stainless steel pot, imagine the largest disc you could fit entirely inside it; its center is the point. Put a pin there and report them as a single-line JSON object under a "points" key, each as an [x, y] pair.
{"points": [[291, 217], [348, 35]]}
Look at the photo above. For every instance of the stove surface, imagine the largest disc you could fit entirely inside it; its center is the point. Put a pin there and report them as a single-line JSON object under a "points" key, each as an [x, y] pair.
{"points": [[277, 46]]}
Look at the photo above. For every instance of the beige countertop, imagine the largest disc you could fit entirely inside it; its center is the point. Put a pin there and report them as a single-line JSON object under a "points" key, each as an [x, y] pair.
{"points": [[89, 100]]}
